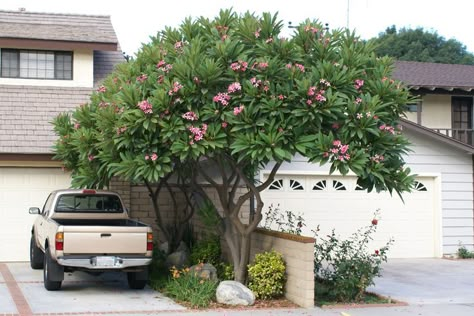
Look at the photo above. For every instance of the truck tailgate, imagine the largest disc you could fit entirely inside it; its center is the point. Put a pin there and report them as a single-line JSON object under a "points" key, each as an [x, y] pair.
{"points": [[105, 240]]}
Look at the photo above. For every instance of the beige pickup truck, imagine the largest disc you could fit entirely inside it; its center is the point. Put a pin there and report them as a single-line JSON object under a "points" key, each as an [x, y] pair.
{"points": [[88, 230]]}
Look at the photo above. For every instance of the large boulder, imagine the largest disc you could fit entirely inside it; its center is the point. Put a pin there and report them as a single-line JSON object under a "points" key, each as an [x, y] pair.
{"points": [[205, 271], [234, 293], [179, 258]]}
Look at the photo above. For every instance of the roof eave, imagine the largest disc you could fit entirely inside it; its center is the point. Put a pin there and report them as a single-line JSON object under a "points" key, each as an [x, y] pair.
{"points": [[56, 44], [436, 136]]}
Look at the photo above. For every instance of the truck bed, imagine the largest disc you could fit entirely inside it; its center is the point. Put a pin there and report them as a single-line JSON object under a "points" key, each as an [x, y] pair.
{"points": [[103, 236]]}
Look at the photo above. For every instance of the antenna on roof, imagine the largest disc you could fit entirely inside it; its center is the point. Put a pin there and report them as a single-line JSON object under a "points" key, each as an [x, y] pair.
{"points": [[22, 9]]}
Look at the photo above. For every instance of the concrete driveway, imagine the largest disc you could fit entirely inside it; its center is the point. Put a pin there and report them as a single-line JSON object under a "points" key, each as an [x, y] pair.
{"points": [[427, 281], [430, 287], [22, 293]]}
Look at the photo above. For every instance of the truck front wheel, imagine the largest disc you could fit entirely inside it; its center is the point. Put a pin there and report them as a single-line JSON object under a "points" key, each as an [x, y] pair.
{"points": [[137, 280], [53, 273], [36, 255]]}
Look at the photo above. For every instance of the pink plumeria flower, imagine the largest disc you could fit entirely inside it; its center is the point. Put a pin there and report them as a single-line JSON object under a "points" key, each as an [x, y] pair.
{"points": [[234, 87], [222, 98], [146, 107], [344, 149], [238, 110], [358, 83], [190, 116], [300, 67], [142, 78], [320, 98]]}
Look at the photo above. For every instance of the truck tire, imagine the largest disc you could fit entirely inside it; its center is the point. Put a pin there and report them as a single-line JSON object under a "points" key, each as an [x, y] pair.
{"points": [[137, 280], [36, 255], [51, 272]]}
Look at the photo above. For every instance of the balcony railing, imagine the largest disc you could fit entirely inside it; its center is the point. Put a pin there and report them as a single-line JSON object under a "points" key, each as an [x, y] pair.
{"points": [[463, 135]]}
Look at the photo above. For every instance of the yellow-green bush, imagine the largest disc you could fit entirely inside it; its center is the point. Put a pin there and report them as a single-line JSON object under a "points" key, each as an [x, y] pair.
{"points": [[267, 275]]}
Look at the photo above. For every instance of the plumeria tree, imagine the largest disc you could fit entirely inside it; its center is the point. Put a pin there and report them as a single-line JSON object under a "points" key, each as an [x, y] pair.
{"points": [[222, 98]]}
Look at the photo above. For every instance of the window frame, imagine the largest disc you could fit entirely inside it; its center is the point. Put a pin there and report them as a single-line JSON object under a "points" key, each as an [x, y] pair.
{"points": [[36, 51]]}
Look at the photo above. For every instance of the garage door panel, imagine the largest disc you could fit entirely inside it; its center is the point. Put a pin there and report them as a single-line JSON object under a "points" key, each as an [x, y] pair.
{"points": [[21, 188], [411, 224]]}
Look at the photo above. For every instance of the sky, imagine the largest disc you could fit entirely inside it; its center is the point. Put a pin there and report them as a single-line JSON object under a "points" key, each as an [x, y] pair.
{"points": [[135, 21]]}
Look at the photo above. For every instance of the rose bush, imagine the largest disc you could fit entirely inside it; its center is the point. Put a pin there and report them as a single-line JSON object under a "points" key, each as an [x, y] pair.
{"points": [[345, 268]]}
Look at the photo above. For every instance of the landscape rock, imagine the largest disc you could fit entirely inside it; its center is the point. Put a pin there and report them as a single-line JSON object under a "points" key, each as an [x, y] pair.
{"points": [[182, 247], [234, 293], [164, 247], [205, 271], [177, 259]]}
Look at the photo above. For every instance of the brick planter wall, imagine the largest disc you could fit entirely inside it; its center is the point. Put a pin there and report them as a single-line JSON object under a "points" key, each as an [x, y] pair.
{"points": [[297, 252]]}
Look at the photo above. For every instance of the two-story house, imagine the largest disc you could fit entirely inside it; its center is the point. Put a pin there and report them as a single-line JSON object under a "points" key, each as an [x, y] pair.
{"points": [[49, 63], [446, 94], [438, 216]]}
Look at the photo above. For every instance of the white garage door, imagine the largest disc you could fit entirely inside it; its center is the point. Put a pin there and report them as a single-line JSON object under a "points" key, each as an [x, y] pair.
{"points": [[337, 202], [21, 188]]}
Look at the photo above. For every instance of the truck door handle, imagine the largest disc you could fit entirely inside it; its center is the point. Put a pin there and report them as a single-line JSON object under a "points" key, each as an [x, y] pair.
{"points": [[105, 235]]}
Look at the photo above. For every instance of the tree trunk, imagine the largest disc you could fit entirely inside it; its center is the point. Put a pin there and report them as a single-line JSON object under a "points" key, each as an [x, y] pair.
{"points": [[241, 270]]}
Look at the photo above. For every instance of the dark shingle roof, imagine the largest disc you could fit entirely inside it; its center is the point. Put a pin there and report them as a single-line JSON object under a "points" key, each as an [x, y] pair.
{"points": [[26, 113], [57, 27], [435, 76]]}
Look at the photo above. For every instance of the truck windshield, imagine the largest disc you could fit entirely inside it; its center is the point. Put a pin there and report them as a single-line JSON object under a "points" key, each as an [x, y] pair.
{"points": [[93, 203]]}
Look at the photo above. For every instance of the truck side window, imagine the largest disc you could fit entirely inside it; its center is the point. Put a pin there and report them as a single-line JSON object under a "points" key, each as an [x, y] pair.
{"points": [[47, 205]]}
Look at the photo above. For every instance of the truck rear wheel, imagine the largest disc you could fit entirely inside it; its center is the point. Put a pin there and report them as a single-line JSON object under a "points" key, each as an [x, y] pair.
{"points": [[137, 280], [51, 272], [36, 255]]}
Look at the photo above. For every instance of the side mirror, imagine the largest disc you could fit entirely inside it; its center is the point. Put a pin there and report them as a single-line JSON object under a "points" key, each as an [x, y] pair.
{"points": [[34, 210]]}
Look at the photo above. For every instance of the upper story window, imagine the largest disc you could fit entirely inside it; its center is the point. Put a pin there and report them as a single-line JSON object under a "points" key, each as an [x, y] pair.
{"points": [[36, 64]]}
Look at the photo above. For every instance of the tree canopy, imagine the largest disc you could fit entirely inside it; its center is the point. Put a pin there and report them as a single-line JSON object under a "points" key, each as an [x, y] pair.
{"points": [[421, 45], [221, 98]]}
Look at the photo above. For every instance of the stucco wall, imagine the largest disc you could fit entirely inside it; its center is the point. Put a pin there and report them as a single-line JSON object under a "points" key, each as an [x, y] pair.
{"points": [[436, 111]]}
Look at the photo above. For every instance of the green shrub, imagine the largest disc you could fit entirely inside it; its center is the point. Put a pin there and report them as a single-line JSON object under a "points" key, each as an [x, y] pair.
{"points": [[225, 271], [159, 273], [463, 253], [207, 251], [267, 275], [345, 268], [187, 287]]}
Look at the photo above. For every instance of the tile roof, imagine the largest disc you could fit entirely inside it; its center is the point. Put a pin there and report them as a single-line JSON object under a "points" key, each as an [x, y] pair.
{"points": [[57, 27], [435, 76]]}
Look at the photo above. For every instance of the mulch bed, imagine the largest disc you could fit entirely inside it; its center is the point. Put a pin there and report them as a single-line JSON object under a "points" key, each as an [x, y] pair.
{"points": [[259, 304]]}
